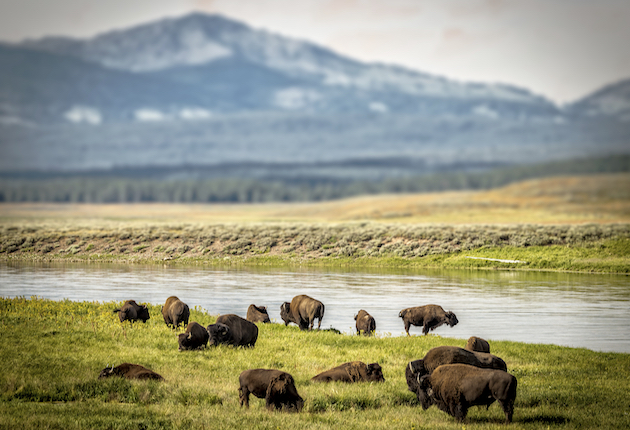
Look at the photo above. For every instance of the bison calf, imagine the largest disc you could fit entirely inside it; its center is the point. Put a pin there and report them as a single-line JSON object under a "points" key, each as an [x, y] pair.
{"points": [[257, 314], [303, 310], [275, 386], [477, 344], [233, 330], [131, 311], [195, 337], [175, 312], [366, 323], [429, 317], [454, 388], [354, 371], [130, 371]]}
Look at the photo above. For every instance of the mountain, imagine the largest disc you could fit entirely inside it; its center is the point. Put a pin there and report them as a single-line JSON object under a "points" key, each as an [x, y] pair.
{"points": [[611, 101], [235, 68]]}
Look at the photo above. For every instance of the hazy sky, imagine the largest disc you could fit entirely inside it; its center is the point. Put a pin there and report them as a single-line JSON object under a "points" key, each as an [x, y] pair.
{"points": [[563, 49]]}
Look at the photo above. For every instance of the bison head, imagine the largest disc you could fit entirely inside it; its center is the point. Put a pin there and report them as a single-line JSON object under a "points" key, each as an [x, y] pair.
{"points": [[425, 393], [219, 333], [375, 373], [281, 391], [451, 319], [185, 341], [285, 308], [143, 313], [107, 372]]}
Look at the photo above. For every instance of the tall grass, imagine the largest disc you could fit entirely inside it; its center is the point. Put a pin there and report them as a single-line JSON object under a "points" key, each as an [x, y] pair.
{"points": [[52, 352]]}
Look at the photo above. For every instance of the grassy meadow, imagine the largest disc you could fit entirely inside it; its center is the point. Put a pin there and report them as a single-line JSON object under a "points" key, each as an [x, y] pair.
{"points": [[52, 352]]}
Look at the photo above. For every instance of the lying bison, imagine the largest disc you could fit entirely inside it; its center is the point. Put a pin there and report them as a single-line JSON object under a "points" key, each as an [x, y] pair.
{"points": [[355, 371], [131, 311], [130, 371], [175, 312], [302, 311], [195, 337], [448, 355], [257, 314], [477, 344], [233, 330], [366, 323], [275, 386], [454, 388], [429, 317]]}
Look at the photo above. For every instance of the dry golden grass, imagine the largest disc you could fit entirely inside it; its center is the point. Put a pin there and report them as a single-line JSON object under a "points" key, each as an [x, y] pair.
{"points": [[561, 200]]}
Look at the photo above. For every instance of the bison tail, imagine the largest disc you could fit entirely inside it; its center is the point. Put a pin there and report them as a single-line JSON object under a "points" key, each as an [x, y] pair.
{"points": [[116, 310]]}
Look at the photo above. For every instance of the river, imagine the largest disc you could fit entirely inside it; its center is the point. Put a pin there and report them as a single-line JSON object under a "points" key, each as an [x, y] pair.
{"points": [[578, 310]]}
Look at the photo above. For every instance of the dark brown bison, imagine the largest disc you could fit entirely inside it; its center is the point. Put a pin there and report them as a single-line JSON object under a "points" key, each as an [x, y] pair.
{"points": [[477, 344], [366, 323], [195, 337], [454, 388], [233, 330], [175, 312], [257, 314], [354, 371], [429, 317], [448, 355], [130, 371], [275, 386], [132, 311], [302, 311]]}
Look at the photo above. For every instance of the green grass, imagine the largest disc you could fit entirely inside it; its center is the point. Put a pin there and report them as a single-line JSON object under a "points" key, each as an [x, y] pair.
{"points": [[52, 352]]}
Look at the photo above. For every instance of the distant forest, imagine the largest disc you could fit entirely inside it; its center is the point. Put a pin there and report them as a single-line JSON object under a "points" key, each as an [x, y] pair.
{"points": [[87, 189]]}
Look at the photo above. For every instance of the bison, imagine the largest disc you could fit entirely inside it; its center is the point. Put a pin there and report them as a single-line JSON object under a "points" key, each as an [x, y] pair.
{"points": [[354, 371], [302, 311], [477, 344], [195, 337], [454, 388], [233, 330], [257, 314], [429, 317], [175, 312], [275, 386], [130, 371], [132, 311], [448, 355], [366, 323]]}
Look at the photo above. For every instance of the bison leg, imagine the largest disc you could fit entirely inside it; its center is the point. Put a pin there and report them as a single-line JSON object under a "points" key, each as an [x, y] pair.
{"points": [[459, 410], [243, 396], [508, 409], [407, 325]]}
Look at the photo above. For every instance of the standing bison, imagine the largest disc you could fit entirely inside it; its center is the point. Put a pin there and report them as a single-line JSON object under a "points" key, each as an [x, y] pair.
{"points": [[302, 311], [429, 317], [275, 386], [454, 388], [130, 371], [195, 337], [233, 330], [366, 323], [175, 312], [257, 314], [132, 311], [355, 371], [477, 344]]}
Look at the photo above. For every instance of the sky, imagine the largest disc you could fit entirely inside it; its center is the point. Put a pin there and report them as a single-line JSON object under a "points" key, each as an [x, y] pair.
{"points": [[561, 49]]}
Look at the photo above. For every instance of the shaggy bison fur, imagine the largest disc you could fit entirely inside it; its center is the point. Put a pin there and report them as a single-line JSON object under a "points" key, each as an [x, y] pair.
{"points": [[195, 337], [429, 317], [275, 386], [477, 344], [257, 314], [366, 323], [454, 388], [233, 330], [130, 371], [131, 311], [354, 371], [302, 311], [175, 312]]}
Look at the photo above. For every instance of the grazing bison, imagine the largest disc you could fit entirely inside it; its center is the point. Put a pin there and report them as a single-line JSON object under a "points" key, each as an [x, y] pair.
{"points": [[355, 371], [233, 330], [429, 317], [448, 355], [302, 311], [275, 386], [130, 371], [132, 311], [257, 314], [175, 312], [195, 337], [477, 344], [454, 388], [365, 323]]}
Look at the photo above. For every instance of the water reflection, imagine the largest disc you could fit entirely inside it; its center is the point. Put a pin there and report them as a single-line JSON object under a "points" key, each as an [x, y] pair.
{"points": [[561, 308]]}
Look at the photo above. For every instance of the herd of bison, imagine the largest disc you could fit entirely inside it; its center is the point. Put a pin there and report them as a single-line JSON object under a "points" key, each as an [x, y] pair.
{"points": [[449, 377]]}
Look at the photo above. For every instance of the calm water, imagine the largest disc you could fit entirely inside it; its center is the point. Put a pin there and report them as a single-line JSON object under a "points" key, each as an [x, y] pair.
{"points": [[591, 311]]}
